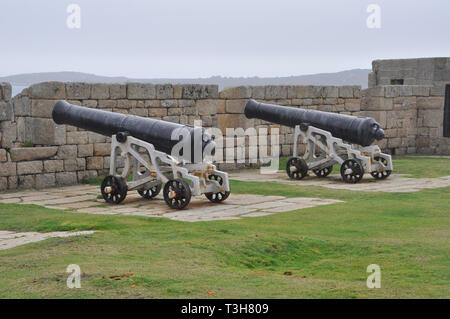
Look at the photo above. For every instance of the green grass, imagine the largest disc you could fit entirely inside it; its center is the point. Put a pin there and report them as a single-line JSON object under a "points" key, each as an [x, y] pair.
{"points": [[413, 166], [326, 248]]}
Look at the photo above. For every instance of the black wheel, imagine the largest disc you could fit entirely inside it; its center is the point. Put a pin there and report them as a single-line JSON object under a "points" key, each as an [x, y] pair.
{"points": [[323, 172], [352, 171], [114, 189], [150, 193], [177, 193], [220, 196], [384, 174], [296, 168]]}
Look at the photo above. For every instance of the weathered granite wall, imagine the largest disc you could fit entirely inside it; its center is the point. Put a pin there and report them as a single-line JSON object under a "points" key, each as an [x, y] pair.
{"points": [[412, 117], [35, 152]]}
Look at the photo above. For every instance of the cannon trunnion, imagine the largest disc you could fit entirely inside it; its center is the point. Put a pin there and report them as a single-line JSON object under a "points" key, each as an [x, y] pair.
{"points": [[329, 138], [146, 148]]}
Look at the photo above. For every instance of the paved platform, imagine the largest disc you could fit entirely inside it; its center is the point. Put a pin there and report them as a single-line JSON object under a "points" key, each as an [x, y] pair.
{"points": [[86, 199], [394, 183], [10, 239]]}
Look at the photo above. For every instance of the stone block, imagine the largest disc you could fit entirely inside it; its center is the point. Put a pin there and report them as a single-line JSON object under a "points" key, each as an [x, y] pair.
{"points": [[352, 105], [12, 182], [8, 169], [8, 134], [95, 162], [3, 182], [27, 181], [240, 92], [107, 104], [90, 103], [376, 104], [196, 91], [85, 150], [31, 167], [5, 91], [432, 102], [421, 91], [32, 153], [126, 104], [303, 91], [432, 118], [276, 92], [66, 178], [102, 149], [174, 111], [45, 180], [70, 165], [78, 90], [331, 92], [233, 121], [42, 108], [259, 92], [48, 90], [157, 112], [84, 176], [80, 164], [235, 106], [95, 138], [141, 91], [40, 131], [169, 103], [6, 111], [52, 166], [78, 137], [174, 119], [346, 91], [117, 91], [3, 155], [22, 106], [207, 107], [67, 152], [100, 91], [164, 91]]}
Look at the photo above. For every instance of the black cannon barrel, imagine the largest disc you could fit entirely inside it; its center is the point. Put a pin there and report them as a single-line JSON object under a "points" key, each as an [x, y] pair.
{"points": [[156, 132], [354, 129]]}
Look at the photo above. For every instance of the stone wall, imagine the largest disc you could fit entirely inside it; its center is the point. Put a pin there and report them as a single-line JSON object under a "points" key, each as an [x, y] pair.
{"points": [[412, 117], [35, 152], [434, 72]]}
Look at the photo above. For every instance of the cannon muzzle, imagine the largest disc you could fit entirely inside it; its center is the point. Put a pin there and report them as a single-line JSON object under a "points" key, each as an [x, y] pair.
{"points": [[156, 132], [354, 129]]}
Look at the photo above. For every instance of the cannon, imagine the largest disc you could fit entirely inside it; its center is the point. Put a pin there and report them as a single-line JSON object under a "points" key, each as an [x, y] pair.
{"points": [[329, 138], [152, 156]]}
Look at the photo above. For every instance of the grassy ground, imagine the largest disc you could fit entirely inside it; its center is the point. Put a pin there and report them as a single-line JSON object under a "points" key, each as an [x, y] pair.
{"points": [[325, 249], [412, 166]]}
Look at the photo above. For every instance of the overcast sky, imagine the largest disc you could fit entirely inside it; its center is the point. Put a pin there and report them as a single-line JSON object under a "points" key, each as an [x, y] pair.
{"points": [[201, 38]]}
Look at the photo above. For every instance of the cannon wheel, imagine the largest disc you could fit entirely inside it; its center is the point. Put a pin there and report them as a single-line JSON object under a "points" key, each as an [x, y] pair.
{"points": [[324, 172], [114, 189], [220, 196], [301, 168], [352, 171], [177, 193], [384, 174], [150, 193]]}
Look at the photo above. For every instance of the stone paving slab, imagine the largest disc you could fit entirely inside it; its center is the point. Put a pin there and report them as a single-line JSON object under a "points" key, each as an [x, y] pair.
{"points": [[10, 239], [77, 199], [394, 183]]}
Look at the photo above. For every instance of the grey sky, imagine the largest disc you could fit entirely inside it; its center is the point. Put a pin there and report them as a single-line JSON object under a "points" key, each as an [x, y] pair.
{"points": [[200, 38]]}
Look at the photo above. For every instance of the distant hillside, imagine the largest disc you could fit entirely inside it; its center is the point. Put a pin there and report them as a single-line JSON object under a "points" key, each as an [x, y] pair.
{"points": [[349, 77]]}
